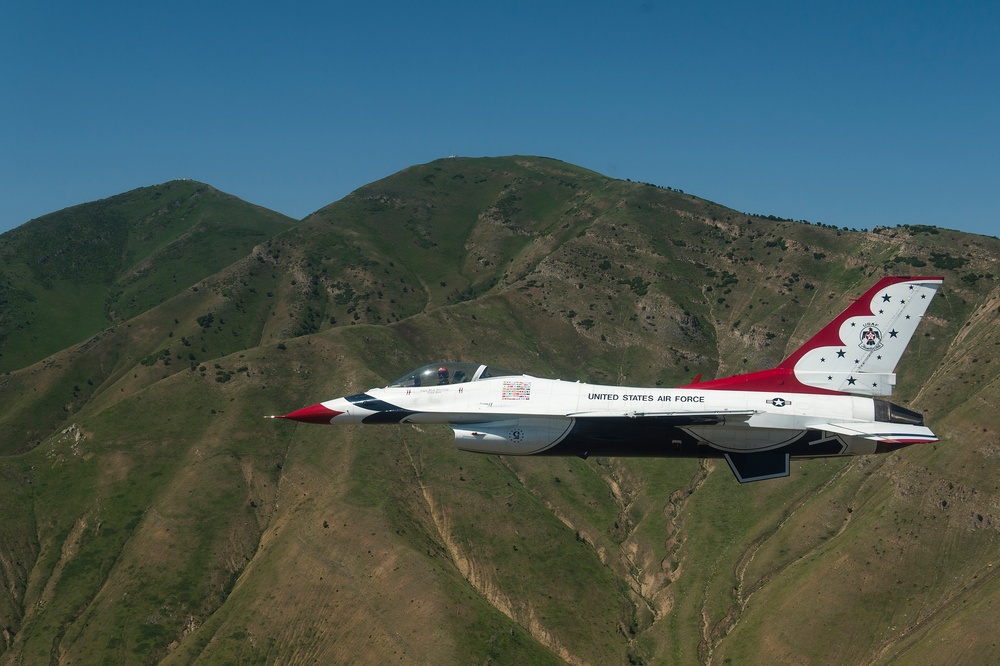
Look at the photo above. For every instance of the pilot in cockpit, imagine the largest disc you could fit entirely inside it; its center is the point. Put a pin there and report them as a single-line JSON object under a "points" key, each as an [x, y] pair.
{"points": [[442, 376]]}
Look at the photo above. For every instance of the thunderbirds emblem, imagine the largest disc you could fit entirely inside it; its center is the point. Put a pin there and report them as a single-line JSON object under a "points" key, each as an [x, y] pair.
{"points": [[871, 338]]}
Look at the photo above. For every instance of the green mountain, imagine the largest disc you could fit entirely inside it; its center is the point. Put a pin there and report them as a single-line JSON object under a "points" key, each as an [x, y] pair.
{"points": [[68, 275], [151, 515]]}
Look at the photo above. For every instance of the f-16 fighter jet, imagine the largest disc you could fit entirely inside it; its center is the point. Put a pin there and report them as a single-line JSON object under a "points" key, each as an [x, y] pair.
{"points": [[826, 399]]}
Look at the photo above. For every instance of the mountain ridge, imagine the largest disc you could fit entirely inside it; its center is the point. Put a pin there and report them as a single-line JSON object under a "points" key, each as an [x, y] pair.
{"points": [[115, 258], [154, 516]]}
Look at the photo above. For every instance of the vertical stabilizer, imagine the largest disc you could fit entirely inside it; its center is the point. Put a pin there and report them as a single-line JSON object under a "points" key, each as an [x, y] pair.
{"points": [[858, 351]]}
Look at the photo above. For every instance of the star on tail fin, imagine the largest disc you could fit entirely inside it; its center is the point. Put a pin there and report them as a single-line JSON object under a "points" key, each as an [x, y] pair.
{"points": [[858, 351]]}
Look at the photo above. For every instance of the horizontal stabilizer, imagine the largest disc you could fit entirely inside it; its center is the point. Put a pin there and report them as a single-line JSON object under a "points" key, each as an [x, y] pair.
{"points": [[758, 466], [876, 431]]}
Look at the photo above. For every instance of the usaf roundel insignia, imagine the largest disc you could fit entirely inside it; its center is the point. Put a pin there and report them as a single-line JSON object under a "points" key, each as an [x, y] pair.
{"points": [[871, 338]]}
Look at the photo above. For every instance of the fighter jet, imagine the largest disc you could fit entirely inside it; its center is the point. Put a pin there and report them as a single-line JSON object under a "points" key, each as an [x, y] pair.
{"points": [[826, 399]]}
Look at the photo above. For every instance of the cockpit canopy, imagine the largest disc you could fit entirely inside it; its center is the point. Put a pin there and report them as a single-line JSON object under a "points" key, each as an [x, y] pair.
{"points": [[450, 372]]}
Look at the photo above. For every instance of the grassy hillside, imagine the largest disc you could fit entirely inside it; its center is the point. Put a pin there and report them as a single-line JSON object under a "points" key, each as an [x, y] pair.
{"points": [[68, 275], [154, 516]]}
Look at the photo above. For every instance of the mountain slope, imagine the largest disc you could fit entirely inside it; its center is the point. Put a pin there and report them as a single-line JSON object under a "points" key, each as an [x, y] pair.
{"points": [[154, 516], [68, 275]]}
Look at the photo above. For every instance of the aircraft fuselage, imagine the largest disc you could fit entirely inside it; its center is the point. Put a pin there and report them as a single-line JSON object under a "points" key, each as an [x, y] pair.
{"points": [[822, 400]]}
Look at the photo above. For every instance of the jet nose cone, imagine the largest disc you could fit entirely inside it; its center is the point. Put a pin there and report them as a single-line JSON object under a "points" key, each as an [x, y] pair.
{"points": [[313, 414]]}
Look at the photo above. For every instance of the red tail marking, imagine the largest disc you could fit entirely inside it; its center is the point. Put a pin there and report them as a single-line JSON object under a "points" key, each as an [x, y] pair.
{"points": [[783, 376]]}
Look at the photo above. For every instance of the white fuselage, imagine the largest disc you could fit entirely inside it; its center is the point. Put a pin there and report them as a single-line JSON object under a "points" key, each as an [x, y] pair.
{"points": [[505, 397], [525, 415], [819, 401]]}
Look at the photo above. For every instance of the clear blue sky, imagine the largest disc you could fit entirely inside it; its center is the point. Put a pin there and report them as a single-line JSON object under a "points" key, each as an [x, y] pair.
{"points": [[849, 113]]}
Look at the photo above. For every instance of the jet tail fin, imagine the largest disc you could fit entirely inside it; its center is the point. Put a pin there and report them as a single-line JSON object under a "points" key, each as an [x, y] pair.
{"points": [[858, 351]]}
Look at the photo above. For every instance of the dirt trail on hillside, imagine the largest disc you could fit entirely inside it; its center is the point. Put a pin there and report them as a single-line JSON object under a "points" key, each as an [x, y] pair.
{"points": [[480, 580], [672, 563], [722, 627]]}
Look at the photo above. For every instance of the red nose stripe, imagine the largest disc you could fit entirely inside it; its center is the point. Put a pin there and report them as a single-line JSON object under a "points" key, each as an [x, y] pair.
{"points": [[314, 414]]}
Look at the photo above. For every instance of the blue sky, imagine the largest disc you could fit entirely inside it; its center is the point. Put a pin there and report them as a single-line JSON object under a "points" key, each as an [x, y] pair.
{"points": [[854, 113]]}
